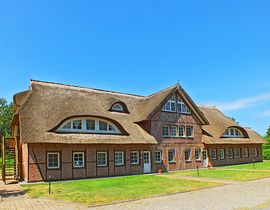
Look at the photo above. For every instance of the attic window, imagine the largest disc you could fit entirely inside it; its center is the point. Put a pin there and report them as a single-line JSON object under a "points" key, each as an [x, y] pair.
{"points": [[89, 125], [117, 107], [175, 104], [233, 133]]}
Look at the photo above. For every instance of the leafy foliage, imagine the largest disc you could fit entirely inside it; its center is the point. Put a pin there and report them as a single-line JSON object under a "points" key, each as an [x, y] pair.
{"points": [[6, 113], [268, 132], [266, 149]]}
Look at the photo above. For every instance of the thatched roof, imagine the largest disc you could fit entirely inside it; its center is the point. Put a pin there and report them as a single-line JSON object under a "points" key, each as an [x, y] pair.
{"points": [[219, 123], [45, 105]]}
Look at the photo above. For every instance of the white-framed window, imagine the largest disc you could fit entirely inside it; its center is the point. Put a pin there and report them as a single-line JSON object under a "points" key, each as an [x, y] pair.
{"points": [[174, 131], [255, 152], [197, 154], [189, 131], [101, 158], [214, 154], [238, 151], [187, 155], [181, 107], [170, 105], [117, 107], [119, 158], [134, 157], [231, 153], [171, 155], [233, 133], [182, 131], [78, 159], [165, 131], [89, 125], [53, 160], [158, 156], [246, 152], [222, 154]]}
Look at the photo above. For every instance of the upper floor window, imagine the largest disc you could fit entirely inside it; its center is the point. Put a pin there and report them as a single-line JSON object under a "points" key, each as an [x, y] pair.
{"points": [[232, 132], [118, 107], [89, 125], [175, 104]]}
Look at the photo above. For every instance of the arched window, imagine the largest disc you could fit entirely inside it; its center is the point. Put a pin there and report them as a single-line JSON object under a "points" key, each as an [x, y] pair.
{"points": [[233, 132], [117, 107], [89, 125]]}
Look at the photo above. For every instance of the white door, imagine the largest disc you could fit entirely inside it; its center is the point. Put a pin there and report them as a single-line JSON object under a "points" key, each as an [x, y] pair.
{"points": [[205, 158], [146, 162]]}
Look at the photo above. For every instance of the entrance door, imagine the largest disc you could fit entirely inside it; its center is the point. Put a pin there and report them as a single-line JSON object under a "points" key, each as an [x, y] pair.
{"points": [[205, 158], [146, 162]]}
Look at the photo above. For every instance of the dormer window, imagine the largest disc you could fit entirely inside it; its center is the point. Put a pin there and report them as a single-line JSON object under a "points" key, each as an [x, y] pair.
{"points": [[117, 107], [89, 125], [233, 132]]}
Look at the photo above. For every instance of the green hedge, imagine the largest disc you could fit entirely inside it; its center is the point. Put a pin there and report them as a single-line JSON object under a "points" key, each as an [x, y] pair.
{"points": [[266, 150]]}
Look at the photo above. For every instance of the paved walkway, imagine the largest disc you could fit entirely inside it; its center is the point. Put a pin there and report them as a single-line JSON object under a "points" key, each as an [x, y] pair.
{"points": [[246, 195]]}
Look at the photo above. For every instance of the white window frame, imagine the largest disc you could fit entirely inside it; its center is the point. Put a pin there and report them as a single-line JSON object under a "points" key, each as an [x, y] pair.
{"points": [[181, 104], [255, 152], [184, 131], [84, 129], [192, 133], [199, 153], [231, 153], [214, 157], [231, 132], [238, 151], [118, 107], [58, 160], [122, 160], [176, 131], [83, 162], [246, 152], [106, 161], [173, 160], [222, 154], [189, 154], [160, 156], [172, 100], [138, 157], [168, 131]]}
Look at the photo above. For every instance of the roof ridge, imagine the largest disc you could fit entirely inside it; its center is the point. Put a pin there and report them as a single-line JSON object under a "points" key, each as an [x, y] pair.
{"points": [[87, 88], [173, 86]]}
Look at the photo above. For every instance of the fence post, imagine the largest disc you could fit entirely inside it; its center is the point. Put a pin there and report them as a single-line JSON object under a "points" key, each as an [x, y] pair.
{"points": [[3, 160]]}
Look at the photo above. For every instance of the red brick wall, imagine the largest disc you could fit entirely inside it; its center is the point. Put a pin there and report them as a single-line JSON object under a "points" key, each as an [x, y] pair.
{"points": [[235, 160]]}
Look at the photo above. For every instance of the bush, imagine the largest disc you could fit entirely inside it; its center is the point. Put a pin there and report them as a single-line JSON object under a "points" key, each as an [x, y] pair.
{"points": [[266, 149]]}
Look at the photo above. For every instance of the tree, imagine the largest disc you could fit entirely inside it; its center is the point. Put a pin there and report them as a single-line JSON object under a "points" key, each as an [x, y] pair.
{"points": [[6, 113], [268, 132]]}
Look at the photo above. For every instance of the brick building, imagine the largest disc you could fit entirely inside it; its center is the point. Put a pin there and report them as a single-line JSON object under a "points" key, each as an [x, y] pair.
{"points": [[69, 132]]}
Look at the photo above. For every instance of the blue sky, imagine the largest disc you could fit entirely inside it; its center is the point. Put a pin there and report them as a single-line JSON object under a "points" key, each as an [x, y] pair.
{"points": [[218, 50]]}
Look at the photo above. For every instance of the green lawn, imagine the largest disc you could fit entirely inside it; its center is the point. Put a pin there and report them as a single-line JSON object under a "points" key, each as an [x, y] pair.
{"points": [[225, 174], [265, 165], [108, 190]]}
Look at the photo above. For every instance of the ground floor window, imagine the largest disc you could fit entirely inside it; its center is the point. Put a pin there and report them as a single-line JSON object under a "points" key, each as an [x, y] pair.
{"points": [[53, 160], [158, 156], [238, 151], [134, 157], [222, 154], [171, 154], [101, 158], [119, 158], [231, 153], [78, 159], [246, 152], [255, 152], [187, 154], [214, 154], [198, 154]]}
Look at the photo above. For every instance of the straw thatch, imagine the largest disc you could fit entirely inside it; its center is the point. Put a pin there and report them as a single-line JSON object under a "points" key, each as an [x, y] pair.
{"points": [[46, 105], [219, 123]]}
